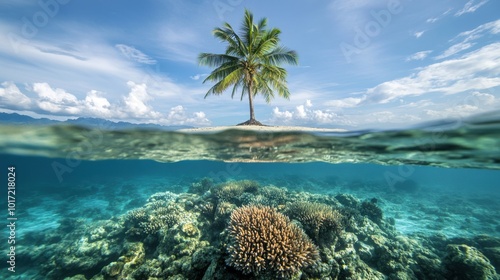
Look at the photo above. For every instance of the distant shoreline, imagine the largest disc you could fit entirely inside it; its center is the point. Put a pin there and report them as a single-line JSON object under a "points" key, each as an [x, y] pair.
{"points": [[260, 128]]}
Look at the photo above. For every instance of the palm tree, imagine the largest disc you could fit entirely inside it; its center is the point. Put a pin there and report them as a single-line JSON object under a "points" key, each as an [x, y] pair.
{"points": [[251, 62]]}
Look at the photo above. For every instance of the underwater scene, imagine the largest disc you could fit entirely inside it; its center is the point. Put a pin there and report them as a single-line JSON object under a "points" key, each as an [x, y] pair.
{"points": [[97, 203]]}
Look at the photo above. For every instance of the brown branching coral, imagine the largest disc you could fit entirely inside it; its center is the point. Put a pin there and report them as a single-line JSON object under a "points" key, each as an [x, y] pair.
{"points": [[372, 211], [318, 219], [232, 190], [264, 241], [155, 216]]}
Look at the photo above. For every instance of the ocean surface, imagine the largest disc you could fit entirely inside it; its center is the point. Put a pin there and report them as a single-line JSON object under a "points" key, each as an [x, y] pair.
{"points": [[69, 211]]}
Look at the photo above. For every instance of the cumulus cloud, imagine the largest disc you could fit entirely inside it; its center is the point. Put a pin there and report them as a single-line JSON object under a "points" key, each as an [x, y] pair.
{"points": [[305, 114], [98, 105], [483, 98], [300, 112], [178, 115], [135, 54], [476, 70], [418, 55], [56, 101], [470, 7], [136, 102], [12, 98], [284, 116], [134, 107]]}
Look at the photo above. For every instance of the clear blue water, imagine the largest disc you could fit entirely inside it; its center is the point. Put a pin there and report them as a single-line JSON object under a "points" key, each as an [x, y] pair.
{"points": [[58, 178]]}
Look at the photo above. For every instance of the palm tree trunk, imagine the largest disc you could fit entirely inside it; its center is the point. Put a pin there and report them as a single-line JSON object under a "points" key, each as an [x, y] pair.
{"points": [[252, 120], [250, 101]]}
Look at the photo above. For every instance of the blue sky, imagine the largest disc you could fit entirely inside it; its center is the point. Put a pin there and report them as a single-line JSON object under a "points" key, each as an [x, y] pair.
{"points": [[363, 63]]}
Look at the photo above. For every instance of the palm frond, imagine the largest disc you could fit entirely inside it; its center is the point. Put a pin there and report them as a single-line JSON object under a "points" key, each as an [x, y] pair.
{"points": [[215, 60], [237, 85], [221, 72], [282, 55], [250, 62]]}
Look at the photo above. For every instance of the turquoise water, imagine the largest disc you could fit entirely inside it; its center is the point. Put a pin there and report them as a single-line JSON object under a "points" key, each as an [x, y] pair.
{"points": [[76, 189]]}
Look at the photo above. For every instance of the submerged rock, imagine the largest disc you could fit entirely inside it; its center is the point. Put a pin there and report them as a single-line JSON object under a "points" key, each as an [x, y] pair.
{"points": [[465, 262]]}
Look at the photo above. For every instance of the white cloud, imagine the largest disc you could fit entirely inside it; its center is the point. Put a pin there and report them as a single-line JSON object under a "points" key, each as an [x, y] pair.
{"points": [[135, 54], [102, 66], [284, 116], [57, 100], [12, 98], [197, 76], [178, 115], [467, 38], [60, 96], [419, 55], [96, 105], [484, 98], [136, 102], [418, 34], [348, 102], [418, 104], [492, 27], [476, 70], [455, 49], [391, 117], [470, 7], [300, 112], [324, 117], [432, 20], [135, 106], [306, 115], [458, 111]]}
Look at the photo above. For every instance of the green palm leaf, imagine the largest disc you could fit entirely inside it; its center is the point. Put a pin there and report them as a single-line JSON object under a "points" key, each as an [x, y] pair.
{"points": [[250, 62]]}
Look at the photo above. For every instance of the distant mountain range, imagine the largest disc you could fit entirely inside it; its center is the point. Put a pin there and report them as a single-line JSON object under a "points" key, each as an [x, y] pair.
{"points": [[18, 119]]}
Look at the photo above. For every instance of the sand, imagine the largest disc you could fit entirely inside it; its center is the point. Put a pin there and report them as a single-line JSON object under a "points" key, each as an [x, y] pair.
{"points": [[260, 128]]}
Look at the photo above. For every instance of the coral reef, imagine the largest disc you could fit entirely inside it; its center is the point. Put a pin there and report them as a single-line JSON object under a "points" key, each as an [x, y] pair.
{"points": [[263, 241], [371, 210], [202, 186], [465, 262], [242, 230], [318, 219], [232, 190], [158, 213]]}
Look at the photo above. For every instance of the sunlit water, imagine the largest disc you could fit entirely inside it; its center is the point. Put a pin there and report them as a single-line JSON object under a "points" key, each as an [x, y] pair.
{"points": [[441, 179]]}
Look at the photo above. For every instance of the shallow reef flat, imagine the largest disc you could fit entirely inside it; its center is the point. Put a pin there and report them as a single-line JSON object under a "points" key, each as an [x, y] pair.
{"points": [[250, 230]]}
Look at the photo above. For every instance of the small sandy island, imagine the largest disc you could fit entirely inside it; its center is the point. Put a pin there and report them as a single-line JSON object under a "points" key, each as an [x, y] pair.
{"points": [[260, 129]]}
